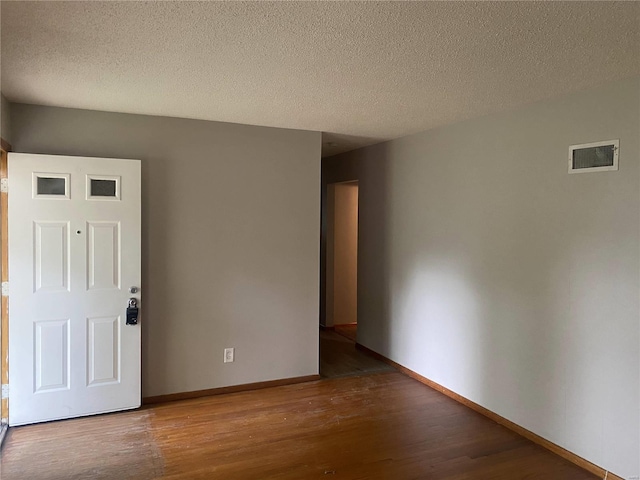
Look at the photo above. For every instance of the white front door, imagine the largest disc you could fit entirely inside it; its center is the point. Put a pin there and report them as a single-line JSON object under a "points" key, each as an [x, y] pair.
{"points": [[74, 254]]}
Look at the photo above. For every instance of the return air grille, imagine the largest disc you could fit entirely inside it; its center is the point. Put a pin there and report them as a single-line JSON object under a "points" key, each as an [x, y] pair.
{"points": [[594, 157]]}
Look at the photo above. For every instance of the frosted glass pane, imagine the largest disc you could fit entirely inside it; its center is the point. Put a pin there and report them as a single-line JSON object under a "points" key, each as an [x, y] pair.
{"points": [[51, 186], [103, 188]]}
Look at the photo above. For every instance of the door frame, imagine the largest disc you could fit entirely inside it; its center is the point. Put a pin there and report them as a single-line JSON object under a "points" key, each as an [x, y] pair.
{"points": [[5, 148]]}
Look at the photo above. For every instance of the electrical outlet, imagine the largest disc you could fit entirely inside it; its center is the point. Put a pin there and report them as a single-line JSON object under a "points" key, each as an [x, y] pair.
{"points": [[228, 355]]}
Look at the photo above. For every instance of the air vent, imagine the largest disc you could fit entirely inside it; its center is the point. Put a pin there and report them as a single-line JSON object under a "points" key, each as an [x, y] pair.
{"points": [[594, 157]]}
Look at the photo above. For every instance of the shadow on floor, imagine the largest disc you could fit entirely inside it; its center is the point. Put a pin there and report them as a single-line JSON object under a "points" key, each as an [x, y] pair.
{"points": [[339, 357], [349, 330]]}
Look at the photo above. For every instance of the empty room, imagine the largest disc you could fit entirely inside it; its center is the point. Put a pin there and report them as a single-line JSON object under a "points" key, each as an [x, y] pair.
{"points": [[320, 239]]}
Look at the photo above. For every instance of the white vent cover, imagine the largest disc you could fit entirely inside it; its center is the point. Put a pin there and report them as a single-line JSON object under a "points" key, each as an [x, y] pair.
{"points": [[594, 157]]}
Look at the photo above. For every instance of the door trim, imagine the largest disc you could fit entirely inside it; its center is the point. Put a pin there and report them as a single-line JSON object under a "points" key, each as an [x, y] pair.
{"points": [[4, 277]]}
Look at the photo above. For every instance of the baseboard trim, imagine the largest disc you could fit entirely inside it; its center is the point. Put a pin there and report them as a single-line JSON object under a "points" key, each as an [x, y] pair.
{"points": [[172, 397], [535, 438]]}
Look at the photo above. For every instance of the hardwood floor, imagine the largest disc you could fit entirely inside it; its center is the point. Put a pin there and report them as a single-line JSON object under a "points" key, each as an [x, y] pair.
{"points": [[382, 426], [349, 330], [339, 357]]}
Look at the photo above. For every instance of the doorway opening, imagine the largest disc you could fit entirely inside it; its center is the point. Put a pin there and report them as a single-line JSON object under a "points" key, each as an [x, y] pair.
{"points": [[339, 356], [342, 259]]}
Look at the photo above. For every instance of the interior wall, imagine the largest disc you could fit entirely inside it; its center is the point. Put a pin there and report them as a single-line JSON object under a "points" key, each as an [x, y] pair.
{"points": [[329, 213], [341, 253], [334, 170], [345, 254], [230, 240], [5, 119], [486, 267]]}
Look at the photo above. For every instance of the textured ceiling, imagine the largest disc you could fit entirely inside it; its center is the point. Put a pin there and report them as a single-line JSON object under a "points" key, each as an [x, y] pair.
{"points": [[361, 72]]}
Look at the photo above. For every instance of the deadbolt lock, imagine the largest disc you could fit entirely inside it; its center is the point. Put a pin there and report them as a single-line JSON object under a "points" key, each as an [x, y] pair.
{"points": [[132, 312]]}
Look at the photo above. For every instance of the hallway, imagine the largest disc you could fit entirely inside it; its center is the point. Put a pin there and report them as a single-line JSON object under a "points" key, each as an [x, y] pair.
{"points": [[339, 357]]}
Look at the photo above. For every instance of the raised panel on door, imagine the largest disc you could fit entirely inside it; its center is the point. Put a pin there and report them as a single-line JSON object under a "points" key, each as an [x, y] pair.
{"points": [[103, 350], [51, 256], [103, 255], [51, 355]]}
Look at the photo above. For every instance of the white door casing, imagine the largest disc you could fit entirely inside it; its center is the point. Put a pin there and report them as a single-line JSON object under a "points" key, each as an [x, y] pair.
{"points": [[74, 252]]}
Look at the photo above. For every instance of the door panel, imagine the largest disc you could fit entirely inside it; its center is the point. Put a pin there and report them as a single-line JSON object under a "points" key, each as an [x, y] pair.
{"points": [[104, 350], [51, 355], [51, 251], [103, 247], [74, 251]]}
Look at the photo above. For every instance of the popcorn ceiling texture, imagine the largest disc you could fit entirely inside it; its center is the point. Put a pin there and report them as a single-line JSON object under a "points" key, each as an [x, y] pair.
{"points": [[361, 72]]}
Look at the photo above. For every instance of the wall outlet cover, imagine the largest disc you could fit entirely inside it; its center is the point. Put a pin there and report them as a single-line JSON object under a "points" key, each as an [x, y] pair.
{"points": [[228, 355]]}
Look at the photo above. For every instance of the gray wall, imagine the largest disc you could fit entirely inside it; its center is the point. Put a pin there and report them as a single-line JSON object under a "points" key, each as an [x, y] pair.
{"points": [[5, 119], [484, 266], [230, 239]]}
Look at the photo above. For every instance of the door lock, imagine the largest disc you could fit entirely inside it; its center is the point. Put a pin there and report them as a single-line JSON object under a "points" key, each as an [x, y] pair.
{"points": [[132, 312]]}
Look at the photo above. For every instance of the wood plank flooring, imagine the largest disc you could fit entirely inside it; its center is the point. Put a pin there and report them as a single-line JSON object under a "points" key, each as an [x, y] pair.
{"points": [[349, 330], [382, 426], [339, 357]]}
